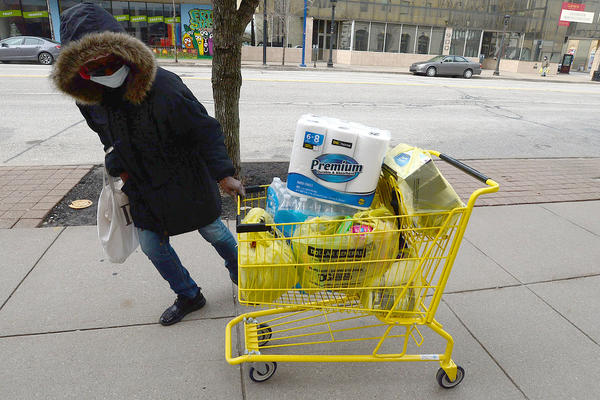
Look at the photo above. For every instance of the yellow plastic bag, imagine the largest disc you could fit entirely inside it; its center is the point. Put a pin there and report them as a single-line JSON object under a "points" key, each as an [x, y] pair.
{"points": [[343, 253], [401, 279], [423, 188], [266, 262]]}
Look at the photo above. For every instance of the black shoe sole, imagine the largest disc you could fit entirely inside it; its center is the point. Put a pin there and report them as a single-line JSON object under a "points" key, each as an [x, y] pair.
{"points": [[182, 316]]}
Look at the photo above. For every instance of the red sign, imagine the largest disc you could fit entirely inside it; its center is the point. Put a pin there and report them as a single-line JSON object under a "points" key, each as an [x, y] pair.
{"points": [[572, 7]]}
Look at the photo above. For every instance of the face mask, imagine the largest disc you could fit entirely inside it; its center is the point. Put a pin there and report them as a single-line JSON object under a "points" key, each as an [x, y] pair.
{"points": [[112, 81]]}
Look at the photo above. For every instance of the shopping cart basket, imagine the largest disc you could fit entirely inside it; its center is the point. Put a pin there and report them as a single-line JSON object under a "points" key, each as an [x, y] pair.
{"points": [[327, 287]]}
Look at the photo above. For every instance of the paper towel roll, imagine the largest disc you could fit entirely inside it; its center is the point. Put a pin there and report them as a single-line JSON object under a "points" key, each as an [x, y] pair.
{"points": [[311, 134], [340, 140], [370, 151]]}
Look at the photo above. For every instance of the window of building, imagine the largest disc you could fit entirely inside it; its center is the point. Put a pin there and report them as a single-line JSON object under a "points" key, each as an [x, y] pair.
{"points": [[473, 40], [423, 39], [392, 39], [377, 37], [345, 34], [361, 36], [512, 45], [138, 21], [527, 47], [457, 45], [157, 29], [437, 41], [120, 10], [407, 40]]}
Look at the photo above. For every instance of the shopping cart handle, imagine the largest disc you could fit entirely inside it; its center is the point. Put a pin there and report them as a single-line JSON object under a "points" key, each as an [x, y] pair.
{"points": [[460, 165], [254, 189]]}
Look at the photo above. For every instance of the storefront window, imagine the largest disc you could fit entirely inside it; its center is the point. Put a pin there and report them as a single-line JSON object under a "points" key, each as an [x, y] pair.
{"points": [[35, 14], [138, 21], [392, 40], [457, 46], [473, 39], [423, 39], [407, 40], [512, 46], [157, 29], [345, 34], [437, 41], [361, 36], [12, 22], [527, 47], [377, 37], [120, 10]]}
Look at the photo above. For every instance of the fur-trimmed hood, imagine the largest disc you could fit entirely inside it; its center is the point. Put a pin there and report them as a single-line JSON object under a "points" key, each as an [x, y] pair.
{"points": [[88, 31]]}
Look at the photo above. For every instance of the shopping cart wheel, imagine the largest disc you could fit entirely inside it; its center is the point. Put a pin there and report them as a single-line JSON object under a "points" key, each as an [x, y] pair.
{"points": [[445, 382], [262, 371], [265, 334]]}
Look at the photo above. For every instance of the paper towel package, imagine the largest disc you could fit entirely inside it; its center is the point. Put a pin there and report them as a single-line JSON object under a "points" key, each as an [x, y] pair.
{"points": [[336, 161]]}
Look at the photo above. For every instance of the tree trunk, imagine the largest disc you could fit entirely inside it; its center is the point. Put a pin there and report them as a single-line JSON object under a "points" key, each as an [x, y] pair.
{"points": [[228, 25]]}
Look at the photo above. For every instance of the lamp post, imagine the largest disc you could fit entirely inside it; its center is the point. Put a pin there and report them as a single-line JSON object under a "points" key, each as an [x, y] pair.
{"points": [[304, 34], [173, 31], [330, 62], [265, 32], [501, 50]]}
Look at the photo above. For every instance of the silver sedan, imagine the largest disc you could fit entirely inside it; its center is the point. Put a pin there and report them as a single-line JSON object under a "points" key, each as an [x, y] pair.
{"points": [[29, 48], [447, 65]]}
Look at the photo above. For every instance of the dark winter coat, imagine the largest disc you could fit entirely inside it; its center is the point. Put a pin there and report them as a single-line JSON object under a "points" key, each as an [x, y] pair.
{"points": [[162, 136]]}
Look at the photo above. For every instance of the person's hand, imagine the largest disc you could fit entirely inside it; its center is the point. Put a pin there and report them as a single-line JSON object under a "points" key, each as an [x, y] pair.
{"points": [[232, 186]]}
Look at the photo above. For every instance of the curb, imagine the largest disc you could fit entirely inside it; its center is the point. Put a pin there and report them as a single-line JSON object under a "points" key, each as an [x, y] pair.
{"points": [[319, 68]]}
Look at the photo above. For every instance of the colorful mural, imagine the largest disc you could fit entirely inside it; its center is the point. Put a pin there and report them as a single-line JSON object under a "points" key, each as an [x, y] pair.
{"points": [[196, 29]]}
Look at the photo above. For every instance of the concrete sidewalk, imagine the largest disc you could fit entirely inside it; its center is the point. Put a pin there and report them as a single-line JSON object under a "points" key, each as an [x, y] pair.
{"points": [[521, 304], [573, 77]]}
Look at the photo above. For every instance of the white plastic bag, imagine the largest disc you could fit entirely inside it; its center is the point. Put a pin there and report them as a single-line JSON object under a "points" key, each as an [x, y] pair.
{"points": [[117, 234]]}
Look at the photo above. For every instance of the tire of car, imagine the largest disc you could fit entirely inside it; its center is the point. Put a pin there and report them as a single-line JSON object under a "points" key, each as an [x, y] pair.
{"points": [[468, 73], [45, 58], [431, 71]]}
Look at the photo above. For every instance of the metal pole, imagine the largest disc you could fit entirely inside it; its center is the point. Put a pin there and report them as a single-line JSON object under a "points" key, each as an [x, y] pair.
{"points": [[501, 50], [265, 32], [304, 34], [174, 33], [330, 62]]}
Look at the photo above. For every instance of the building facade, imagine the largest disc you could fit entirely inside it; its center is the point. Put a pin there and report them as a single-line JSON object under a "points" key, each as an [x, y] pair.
{"points": [[372, 32]]}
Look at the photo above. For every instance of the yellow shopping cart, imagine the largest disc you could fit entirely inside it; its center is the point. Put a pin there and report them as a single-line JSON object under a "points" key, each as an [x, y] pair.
{"points": [[377, 277]]}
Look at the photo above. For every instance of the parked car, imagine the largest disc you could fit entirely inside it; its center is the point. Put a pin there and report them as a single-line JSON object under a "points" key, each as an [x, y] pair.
{"points": [[29, 48], [447, 65]]}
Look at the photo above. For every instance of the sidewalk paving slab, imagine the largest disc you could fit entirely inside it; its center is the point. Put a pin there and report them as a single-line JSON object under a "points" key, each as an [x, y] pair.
{"points": [[416, 380], [71, 288], [577, 300], [544, 354], [534, 244], [15, 265], [184, 361], [584, 214], [474, 270]]}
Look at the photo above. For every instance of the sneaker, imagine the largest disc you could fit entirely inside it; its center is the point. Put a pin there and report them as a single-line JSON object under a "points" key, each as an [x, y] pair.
{"points": [[182, 307]]}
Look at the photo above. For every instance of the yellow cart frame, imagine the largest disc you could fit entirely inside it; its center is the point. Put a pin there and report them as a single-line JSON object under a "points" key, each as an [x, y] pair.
{"points": [[305, 316]]}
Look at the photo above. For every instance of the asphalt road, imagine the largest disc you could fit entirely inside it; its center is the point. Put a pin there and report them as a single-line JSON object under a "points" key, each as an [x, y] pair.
{"points": [[477, 118]]}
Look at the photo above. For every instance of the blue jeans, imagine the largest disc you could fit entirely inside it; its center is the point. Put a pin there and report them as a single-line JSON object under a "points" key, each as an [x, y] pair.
{"points": [[156, 246]]}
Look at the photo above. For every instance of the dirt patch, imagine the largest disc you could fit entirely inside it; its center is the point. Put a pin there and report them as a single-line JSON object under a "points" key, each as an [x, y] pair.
{"points": [[255, 173]]}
